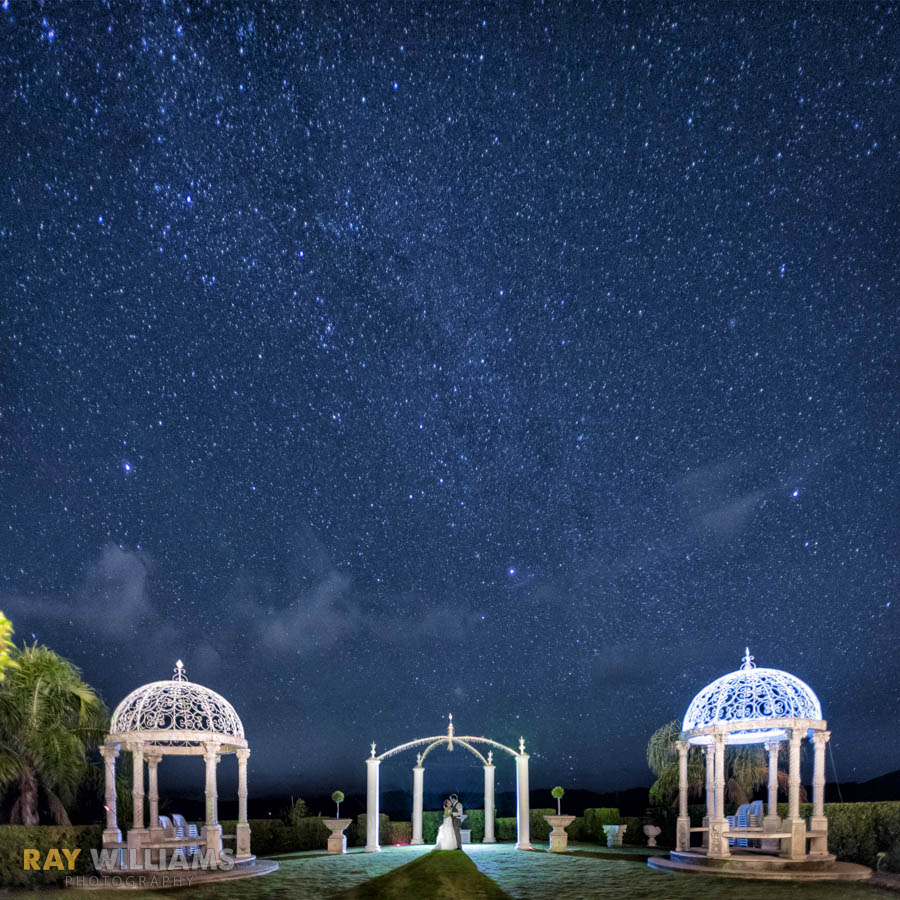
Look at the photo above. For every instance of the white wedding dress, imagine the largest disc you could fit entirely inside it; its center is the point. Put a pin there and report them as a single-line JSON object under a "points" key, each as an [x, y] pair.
{"points": [[446, 839]]}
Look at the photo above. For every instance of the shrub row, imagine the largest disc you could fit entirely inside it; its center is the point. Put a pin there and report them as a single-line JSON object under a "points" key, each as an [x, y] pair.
{"points": [[15, 839], [271, 836], [865, 833], [860, 832]]}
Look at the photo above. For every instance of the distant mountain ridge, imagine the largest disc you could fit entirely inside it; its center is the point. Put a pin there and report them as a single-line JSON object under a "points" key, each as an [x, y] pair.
{"points": [[398, 804]]}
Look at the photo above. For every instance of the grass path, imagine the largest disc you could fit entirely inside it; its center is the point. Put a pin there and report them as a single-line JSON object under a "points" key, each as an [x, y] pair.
{"points": [[439, 875]]}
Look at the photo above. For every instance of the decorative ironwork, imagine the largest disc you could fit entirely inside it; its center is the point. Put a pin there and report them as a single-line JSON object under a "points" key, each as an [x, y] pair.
{"points": [[450, 738], [176, 705], [749, 694]]}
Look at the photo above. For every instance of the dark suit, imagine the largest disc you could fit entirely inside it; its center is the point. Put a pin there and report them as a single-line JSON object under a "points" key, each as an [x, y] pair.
{"points": [[456, 811]]}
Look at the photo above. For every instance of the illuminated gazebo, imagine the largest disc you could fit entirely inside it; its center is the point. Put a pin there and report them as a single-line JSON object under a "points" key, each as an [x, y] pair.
{"points": [[174, 718], [756, 706]]}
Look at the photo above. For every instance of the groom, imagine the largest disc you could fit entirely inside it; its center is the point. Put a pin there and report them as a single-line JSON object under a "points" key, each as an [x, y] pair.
{"points": [[456, 811]]}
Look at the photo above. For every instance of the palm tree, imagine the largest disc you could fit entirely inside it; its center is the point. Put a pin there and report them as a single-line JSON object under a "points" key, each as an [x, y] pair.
{"points": [[746, 768], [662, 757], [6, 645], [48, 719]]}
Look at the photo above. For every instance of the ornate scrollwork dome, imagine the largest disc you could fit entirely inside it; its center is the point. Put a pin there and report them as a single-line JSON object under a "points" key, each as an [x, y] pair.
{"points": [[177, 711], [751, 695]]}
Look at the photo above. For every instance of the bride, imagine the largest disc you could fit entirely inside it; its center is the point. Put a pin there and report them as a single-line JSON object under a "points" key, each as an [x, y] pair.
{"points": [[446, 839]]}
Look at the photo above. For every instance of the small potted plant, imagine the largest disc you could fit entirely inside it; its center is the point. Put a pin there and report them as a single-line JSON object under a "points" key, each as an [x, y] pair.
{"points": [[337, 840], [559, 840]]}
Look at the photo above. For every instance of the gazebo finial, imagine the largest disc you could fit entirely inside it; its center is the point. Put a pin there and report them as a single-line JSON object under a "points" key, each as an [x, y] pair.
{"points": [[450, 727], [180, 674], [748, 660]]}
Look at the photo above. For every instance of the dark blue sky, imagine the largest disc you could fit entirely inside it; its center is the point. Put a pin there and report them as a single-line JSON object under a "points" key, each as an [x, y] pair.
{"points": [[522, 362]]}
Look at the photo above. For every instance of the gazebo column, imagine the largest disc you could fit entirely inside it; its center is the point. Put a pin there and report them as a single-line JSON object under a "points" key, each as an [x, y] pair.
{"points": [[683, 826], [709, 756], [818, 846], [242, 831], [772, 821], [523, 805], [795, 846], [211, 835], [372, 821], [489, 802], [418, 794], [718, 824], [153, 761], [111, 834], [138, 835]]}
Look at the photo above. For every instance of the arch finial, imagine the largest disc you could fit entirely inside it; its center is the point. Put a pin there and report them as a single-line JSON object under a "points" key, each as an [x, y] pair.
{"points": [[521, 745], [748, 660], [180, 674], [373, 750]]}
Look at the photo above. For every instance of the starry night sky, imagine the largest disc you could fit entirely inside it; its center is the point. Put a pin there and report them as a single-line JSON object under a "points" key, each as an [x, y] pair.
{"points": [[523, 362]]}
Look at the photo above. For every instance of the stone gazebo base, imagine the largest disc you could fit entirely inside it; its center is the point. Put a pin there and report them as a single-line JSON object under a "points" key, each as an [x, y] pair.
{"points": [[760, 866], [115, 879]]}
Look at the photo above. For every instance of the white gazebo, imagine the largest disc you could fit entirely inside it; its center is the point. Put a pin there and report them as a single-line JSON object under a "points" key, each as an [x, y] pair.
{"points": [[755, 706], [174, 718]]}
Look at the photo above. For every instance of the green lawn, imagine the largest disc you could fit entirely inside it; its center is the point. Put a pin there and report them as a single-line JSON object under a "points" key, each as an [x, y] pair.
{"points": [[439, 875]]}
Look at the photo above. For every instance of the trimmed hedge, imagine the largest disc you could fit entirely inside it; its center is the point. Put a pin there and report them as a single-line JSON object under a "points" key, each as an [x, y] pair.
{"points": [[15, 839], [596, 818], [859, 832], [432, 818], [272, 836], [634, 834]]}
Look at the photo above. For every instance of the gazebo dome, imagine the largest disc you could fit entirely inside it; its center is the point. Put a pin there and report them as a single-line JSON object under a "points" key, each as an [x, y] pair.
{"points": [[748, 696], [177, 712]]}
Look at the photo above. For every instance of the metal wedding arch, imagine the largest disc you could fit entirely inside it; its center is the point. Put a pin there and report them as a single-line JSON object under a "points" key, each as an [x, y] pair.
{"points": [[450, 739]]}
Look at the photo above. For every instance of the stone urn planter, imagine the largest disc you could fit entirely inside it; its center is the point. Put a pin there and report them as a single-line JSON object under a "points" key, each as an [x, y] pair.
{"points": [[614, 834], [559, 840], [337, 840], [652, 833]]}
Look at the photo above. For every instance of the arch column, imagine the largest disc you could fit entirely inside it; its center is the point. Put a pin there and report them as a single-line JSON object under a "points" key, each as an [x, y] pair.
{"points": [[683, 825], [212, 830], [111, 834], [718, 824], [818, 845], [523, 804], [489, 802], [418, 795], [372, 819], [242, 831], [795, 846]]}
